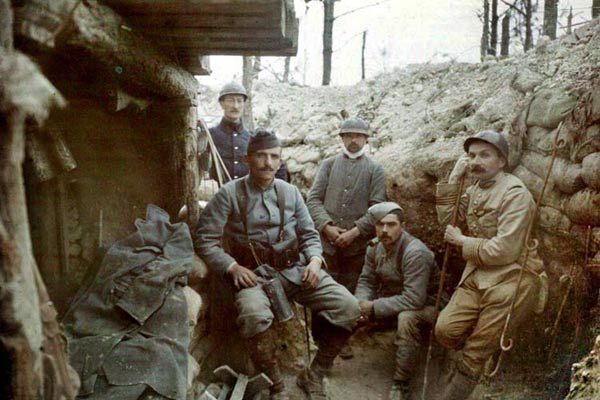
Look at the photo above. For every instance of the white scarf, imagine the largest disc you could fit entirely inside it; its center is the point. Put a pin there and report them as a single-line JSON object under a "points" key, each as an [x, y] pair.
{"points": [[354, 156]]}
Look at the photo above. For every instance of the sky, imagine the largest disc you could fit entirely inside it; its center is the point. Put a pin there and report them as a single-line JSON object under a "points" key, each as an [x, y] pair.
{"points": [[398, 33]]}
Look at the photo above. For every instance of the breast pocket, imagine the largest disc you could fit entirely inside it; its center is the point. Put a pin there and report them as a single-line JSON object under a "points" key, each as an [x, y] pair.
{"points": [[487, 221]]}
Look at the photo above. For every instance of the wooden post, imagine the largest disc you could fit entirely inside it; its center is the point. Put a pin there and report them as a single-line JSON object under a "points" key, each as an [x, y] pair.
{"points": [[286, 70], [570, 21], [505, 41], [494, 29], [550, 17], [485, 34], [362, 55], [528, 25], [328, 18], [595, 8]]}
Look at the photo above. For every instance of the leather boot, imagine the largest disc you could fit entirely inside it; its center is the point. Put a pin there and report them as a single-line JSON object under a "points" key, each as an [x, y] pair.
{"points": [[400, 391], [262, 353], [406, 361], [311, 382], [459, 385]]}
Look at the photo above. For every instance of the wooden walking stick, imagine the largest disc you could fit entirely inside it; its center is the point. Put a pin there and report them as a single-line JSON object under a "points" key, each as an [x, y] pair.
{"points": [[506, 344], [440, 290]]}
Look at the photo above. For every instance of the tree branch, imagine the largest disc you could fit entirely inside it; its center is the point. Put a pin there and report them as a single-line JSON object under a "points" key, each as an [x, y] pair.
{"points": [[517, 9], [360, 8]]}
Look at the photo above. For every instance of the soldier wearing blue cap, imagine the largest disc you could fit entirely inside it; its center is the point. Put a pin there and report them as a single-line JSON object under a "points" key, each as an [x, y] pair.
{"points": [[258, 220], [497, 210], [398, 284]]}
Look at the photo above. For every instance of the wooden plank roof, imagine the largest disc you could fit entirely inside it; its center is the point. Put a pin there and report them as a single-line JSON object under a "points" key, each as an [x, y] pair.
{"points": [[189, 29]]}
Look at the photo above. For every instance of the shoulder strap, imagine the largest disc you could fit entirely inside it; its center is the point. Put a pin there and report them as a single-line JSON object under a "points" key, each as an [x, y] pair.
{"points": [[281, 205], [242, 199]]}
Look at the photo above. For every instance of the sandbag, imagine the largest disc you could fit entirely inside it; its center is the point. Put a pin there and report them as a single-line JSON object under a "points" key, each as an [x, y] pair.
{"points": [[554, 220], [549, 107], [565, 175], [584, 207], [534, 183], [591, 170]]}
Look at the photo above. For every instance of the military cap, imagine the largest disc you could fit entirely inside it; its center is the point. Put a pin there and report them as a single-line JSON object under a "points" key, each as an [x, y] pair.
{"points": [[354, 125], [261, 140], [233, 88], [491, 137], [380, 210]]}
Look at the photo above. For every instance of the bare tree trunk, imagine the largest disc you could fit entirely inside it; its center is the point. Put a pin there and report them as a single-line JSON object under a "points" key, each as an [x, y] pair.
{"points": [[328, 18], [595, 8], [505, 41], [528, 25], [485, 35], [494, 29], [362, 55], [286, 70], [550, 17], [570, 21], [250, 73]]}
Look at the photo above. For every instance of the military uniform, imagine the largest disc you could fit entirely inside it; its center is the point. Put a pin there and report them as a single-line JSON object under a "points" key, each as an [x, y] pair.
{"points": [[331, 303], [497, 214], [345, 187], [402, 283], [231, 140]]}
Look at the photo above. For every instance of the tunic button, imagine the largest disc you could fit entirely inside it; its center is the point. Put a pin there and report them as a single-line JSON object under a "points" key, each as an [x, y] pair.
{"points": [[345, 190], [235, 176], [236, 162], [236, 147]]}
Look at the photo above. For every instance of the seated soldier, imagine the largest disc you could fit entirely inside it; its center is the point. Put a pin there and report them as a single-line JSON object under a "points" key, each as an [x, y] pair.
{"points": [[264, 220], [399, 280]]}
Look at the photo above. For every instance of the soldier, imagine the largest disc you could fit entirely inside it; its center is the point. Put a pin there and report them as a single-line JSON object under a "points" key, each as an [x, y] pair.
{"points": [[230, 136], [345, 187], [498, 209], [398, 283], [265, 221]]}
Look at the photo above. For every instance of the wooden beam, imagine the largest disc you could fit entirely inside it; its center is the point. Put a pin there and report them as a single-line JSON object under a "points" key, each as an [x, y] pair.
{"points": [[197, 7], [211, 34], [204, 20], [132, 59]]}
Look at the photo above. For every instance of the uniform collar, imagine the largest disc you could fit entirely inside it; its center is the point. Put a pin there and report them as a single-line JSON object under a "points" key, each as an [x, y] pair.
{"points": [[256, 187], [229, 127], [490, 182]]}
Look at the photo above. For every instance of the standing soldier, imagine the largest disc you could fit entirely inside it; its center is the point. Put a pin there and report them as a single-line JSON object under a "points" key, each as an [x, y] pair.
{"points": [[262, 220], [498, 209], [398, 283], [345, 187], [230, 136]]}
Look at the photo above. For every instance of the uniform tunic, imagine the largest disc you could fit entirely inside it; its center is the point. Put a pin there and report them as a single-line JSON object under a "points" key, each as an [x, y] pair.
{"points": [[231, 140], [222, 218], [402, 283], [497, 214], [341, 194]]}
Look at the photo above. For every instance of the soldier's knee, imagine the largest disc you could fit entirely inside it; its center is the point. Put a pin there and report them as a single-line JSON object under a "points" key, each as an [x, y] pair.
{"points": [[407, 328], [447, 333]]}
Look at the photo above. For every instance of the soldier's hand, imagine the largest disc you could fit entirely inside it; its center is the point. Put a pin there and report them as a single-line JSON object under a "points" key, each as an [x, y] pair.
{"points": [[332, 232], [366, 309], [310, 278], [242, 277], [346, 238], [454, 235], [459, 170]]}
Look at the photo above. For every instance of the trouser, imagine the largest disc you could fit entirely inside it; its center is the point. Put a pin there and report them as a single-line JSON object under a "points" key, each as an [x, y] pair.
{"points": [[329, 301], [473, 320], [411, 332], [345, 269]]}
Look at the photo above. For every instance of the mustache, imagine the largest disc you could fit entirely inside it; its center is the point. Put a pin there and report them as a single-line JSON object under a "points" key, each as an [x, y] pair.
{"points": [[266, 169], [477, 169], [384, 236]]}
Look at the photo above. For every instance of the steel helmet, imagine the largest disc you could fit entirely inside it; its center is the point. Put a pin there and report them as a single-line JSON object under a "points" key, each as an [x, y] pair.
{"points": [[233, 88], [491, 137], [354, 125]]}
